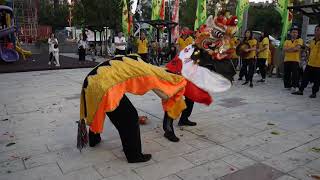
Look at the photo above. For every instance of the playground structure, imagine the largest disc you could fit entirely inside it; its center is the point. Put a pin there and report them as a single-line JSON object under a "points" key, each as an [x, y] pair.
{"points": [[8, 47], [26, 16]]}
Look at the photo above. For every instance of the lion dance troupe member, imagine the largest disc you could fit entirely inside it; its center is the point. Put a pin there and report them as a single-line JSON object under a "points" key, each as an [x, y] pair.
{"points": [[103, 92], [312, 71], [193, 62], [104, 89]]}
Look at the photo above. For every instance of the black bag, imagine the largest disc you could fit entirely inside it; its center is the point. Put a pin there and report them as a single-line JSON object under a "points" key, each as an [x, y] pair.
{"points": [[80, 48]]}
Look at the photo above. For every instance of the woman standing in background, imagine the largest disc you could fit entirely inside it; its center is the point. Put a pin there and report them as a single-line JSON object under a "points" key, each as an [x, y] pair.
{"points": [[53, 50], [82, 46], [248, 62], [263, 55]]}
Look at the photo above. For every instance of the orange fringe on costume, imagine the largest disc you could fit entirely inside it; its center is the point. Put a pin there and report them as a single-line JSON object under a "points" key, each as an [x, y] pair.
{"points": [[106, 88]]}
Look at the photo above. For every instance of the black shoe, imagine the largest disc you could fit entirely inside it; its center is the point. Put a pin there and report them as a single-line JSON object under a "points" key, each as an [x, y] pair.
{"points": [[142, 158], [313, 95], [186, 123], [261, 80], [94, 138], [297, 93], [171, 136], [251, 85], [245, 83]]}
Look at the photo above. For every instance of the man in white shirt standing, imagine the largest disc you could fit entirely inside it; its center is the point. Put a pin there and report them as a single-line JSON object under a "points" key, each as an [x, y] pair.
{"points": [[120, 43]]}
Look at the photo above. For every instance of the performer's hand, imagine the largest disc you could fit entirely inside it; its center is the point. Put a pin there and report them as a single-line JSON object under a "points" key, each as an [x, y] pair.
{"points": [[211, 52]]}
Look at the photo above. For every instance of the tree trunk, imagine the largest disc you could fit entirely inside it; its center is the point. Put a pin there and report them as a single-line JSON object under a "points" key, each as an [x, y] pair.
{"points": [[55, 4]]}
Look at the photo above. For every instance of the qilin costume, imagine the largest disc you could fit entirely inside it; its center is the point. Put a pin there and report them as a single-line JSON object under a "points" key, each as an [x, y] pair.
{"points": [[104, 88]]}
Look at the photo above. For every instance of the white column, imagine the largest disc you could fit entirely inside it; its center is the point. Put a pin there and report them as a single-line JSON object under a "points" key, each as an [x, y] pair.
{"points": [[305, 23]]}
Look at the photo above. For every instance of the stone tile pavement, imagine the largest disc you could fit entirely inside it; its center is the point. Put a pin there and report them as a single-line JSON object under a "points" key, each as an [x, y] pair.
{"points": [[248, 134]]}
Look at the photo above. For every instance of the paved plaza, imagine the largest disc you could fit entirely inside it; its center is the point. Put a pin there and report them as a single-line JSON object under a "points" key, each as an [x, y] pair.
{"points": [[259, 133]]}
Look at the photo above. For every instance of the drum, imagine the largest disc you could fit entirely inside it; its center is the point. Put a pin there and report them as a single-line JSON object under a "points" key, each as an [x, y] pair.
{"points": [[240, 49]]}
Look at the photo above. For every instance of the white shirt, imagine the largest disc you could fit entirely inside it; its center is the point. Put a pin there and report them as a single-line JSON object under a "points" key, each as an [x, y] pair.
{"points": [[82, 43], [120, 40], [51, 43]]}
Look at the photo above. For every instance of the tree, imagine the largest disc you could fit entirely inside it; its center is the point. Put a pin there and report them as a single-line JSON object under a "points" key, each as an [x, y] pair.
{"points": [[266, 19], [98, 14], [55, 15], [187, 13]]}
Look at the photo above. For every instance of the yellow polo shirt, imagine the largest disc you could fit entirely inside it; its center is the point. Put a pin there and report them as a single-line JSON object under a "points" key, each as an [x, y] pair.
{"points": [[142, 46], [233, 44], [292, 56], [184, 42], [269, 59], [253, 44], [314, 57], [265, 53]]}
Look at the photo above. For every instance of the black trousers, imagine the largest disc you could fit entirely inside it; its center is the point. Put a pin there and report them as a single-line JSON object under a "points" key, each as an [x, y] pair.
{"points": [[82, 54], [51, 57], [243, 69], [291, 74], [235, 63], [311, 74], [247, 69], [144, 57], [125, 119], [120, 52], [187, 112], [261, 63]]}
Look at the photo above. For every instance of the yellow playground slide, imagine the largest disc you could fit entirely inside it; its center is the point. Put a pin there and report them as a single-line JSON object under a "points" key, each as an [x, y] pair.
{"points": [[25, 54]]}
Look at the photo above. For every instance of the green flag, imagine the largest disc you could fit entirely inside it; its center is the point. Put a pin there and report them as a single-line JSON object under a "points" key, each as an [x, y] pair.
{"points": [[281, 6], [286, 16], [125, 18], [242, 6], [156, 7], [201, 15]]}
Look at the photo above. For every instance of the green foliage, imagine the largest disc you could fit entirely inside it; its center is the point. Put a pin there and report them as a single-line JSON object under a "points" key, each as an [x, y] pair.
{"points": [[55, 16], [265, 19], [98, 13], [187, 13]]}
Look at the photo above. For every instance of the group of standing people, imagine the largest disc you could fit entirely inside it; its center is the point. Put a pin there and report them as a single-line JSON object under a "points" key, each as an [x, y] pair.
{"points": [[255, 55], [54, 49], [295, 76], [311, 72], [151, 52]]}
